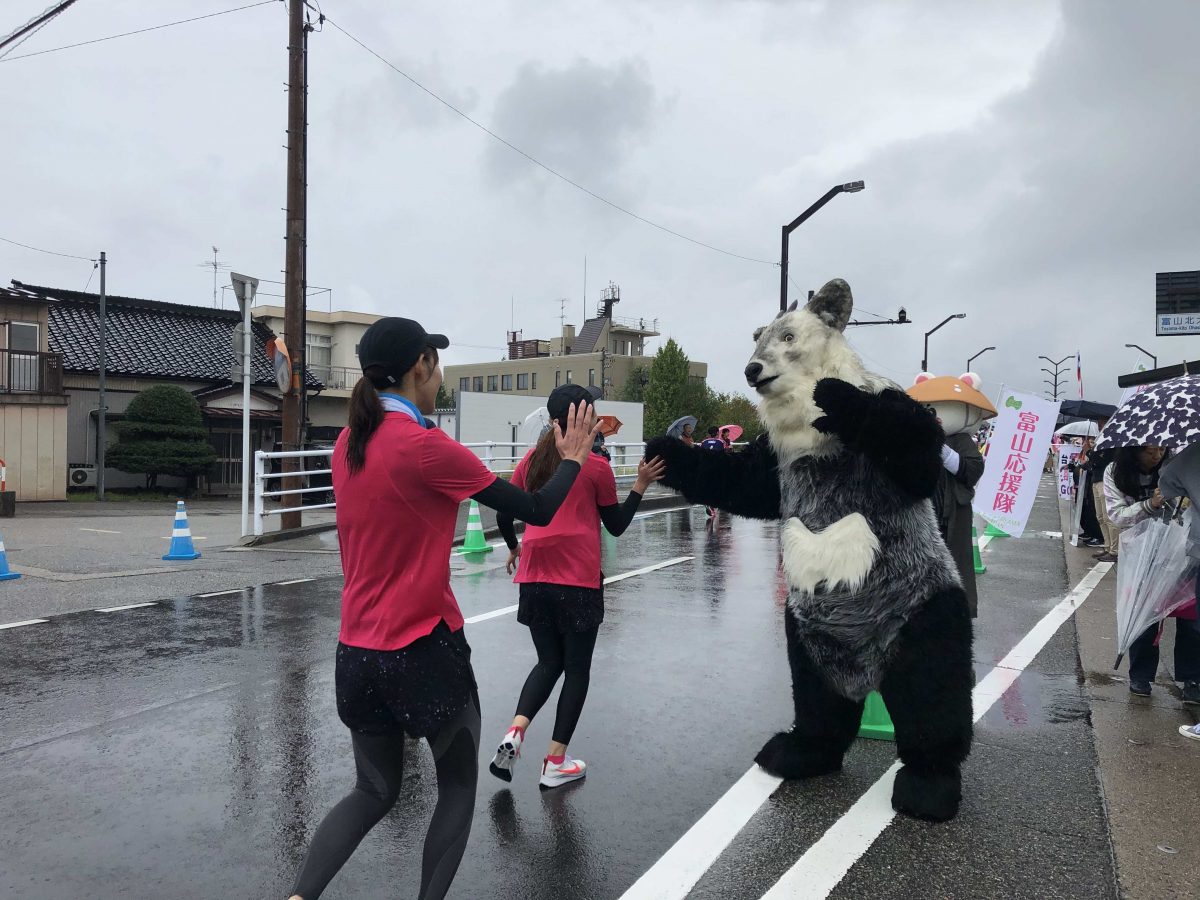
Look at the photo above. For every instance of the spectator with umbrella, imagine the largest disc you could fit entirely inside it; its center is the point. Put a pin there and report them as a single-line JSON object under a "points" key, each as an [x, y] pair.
{"points": [[683, 428]]}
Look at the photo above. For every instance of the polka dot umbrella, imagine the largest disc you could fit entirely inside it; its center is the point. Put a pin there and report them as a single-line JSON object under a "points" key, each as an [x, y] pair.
{"points": [[1164, 415]]}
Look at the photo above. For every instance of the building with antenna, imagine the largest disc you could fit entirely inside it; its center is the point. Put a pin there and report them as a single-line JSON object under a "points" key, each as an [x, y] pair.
{"points": [[605, 353]]}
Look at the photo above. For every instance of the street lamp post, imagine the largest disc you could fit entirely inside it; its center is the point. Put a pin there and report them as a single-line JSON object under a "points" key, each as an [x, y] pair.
{"points": [[851, 187], [1153, 358], [976, 356], [1057, 363], [925, 356]]}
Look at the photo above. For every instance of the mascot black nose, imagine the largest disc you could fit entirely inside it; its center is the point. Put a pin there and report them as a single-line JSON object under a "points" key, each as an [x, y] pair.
{"points": [[753, 371]]}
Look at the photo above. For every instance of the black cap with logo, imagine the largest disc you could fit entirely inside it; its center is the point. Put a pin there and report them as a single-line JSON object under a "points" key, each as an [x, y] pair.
{"points": [[394, 345]]}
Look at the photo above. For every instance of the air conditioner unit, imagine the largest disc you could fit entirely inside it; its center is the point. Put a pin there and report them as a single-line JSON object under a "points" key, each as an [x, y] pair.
{"points": [[81, 475]]}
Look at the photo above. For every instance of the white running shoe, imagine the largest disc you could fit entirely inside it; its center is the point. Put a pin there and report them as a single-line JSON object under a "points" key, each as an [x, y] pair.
{"points": [[1190, 731], [507, 755], [557, 774]]}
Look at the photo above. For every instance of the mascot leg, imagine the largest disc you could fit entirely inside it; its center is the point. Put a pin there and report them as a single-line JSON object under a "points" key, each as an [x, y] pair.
{"points": [[927, 689], [825, 726]]}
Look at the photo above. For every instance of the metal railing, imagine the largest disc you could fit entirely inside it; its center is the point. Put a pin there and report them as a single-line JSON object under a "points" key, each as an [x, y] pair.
{"points": [[24, 371]]}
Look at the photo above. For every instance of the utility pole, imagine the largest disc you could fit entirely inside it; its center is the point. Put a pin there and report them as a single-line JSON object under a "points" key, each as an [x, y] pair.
{"points": [[102, 420], [294, 257]]}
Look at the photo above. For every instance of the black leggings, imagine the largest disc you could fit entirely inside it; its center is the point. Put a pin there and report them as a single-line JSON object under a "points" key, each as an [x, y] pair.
{"points": [[559, 652], [379, 761]]}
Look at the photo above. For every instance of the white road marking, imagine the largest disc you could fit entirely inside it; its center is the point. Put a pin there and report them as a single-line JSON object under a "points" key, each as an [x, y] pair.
{"points": [[496, 613], [127, 606], [222, 593], [26, 622], [675, 873], [100, 530], [825, 863], [293, 581]]}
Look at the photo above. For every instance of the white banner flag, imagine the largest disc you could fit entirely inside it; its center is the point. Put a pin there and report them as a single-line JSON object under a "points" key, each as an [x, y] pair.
{"points": [[1017, 454], [1067, 454]]}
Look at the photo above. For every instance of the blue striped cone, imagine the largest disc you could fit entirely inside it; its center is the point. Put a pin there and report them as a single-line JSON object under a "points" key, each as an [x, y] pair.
{"points": [[5, 575], [181, 537]]}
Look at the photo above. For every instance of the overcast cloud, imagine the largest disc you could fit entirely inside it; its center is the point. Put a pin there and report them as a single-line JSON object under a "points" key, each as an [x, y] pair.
{"points": [[1030, 164]]}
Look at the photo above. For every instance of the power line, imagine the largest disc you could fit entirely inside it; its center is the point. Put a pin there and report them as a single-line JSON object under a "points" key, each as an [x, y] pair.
{"points": [[857, 309], [113, 37], [50, 252], [537, 162], [32, 27]]}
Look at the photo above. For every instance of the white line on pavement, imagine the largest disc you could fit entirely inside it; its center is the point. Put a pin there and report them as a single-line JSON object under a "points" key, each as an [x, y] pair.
{"points": [[293, 581], [100, 530], [496, 613], [825, 863], [222, 593], [682, 866], [26, 622], [127, 606]]}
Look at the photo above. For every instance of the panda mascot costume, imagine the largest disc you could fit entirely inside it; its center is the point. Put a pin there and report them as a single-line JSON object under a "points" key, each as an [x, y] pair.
{"points": [[848, 466]]}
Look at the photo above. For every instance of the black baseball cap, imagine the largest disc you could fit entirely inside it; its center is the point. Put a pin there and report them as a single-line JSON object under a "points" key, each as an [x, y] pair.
{"points": [[558, 404], [394, 345]]}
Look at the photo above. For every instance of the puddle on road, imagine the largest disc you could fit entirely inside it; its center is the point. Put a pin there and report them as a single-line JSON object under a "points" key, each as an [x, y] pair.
{"points": [[1036, 700]]}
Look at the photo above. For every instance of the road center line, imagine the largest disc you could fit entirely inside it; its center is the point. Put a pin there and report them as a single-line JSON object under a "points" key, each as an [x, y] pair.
{"points": [[100, 530], [222, 593], [496, 613], [825, 863], [683, 865], [293, 581], [127, 606], [26, 622]]}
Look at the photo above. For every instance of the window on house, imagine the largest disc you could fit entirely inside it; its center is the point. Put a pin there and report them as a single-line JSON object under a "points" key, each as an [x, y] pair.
{"points": [[464, 385], [592, 377], [570, 380], [318, 355], [23, 369], [533, 381], [477, 383], [491, 382], [557, 377], [523, 381], [506, 382]]}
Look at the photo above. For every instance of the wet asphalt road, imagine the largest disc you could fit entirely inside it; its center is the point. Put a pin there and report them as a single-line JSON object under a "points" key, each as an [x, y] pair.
{"points": [[189, 748]]}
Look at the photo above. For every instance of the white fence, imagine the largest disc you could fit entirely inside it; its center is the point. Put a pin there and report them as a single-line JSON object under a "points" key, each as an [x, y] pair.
{"points": [[501, 458]]}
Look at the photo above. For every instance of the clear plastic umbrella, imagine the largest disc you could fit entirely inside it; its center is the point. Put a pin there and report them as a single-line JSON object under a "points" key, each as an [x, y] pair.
{"points": [[1155, 577], [676, 428]]}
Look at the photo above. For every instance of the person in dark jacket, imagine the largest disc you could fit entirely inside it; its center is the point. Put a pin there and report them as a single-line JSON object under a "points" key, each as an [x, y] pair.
{"points": [[962, 467]]}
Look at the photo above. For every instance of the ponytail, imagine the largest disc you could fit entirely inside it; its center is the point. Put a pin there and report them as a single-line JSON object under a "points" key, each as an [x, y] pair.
{"points": [[543, 461], [366, 414]]}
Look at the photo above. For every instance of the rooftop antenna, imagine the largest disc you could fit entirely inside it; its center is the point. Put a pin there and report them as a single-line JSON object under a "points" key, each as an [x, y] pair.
{"points": [[216, 267], [562, 314], [584, 288]]}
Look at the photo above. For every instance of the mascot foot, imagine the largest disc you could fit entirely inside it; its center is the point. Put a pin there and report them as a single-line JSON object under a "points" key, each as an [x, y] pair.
{"points": [[930, 795], [789, 756]]}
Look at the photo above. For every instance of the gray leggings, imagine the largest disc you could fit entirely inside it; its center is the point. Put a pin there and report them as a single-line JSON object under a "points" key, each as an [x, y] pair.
{"points": [[379, 761]]}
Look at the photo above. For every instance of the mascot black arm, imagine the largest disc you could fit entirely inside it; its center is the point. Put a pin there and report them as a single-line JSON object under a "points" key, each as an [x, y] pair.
{"points": [[743, 482], [896, 433]]}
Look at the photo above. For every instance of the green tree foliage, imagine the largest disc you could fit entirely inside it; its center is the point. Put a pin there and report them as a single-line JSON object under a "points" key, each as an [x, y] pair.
{"points": [[738, 409], [163, 434], [670, 395], [634, 388], [666, 394], [445, 399]]}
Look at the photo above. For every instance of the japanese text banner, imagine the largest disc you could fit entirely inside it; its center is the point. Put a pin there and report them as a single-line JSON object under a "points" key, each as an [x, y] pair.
{"points": [[1015, 459]]}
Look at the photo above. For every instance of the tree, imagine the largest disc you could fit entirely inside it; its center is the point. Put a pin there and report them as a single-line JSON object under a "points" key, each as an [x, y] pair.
{"points": [[162, 434], [671, 393], [445, 398], [634, 388], [737, 409]]}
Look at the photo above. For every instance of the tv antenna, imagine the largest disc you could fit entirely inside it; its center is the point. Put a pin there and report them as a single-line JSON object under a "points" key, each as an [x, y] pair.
{"points": [[216, 268], [562, 314]]}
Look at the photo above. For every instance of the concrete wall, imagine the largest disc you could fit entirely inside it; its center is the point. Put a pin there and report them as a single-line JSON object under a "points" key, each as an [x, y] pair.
{"points": [[33, 445]]}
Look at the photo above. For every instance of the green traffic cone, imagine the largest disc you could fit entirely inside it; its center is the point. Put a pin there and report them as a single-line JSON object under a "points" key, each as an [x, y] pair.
{"points": [[474, 541], [993, 531], [980, 568], [876, 723]]}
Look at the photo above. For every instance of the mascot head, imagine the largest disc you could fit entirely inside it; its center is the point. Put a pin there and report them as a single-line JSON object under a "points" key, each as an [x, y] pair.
{"points": [[957, 402], [793, 353]]}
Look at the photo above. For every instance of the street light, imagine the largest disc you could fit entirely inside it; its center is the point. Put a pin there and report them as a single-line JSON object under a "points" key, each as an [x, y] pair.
{"points": [[1057, 363], [851, 187], [925, 357], [1153, 358], [976, 356]]}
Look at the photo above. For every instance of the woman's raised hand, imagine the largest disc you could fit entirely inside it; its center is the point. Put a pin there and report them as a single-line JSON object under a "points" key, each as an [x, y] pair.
{"points": [[582, 428], [649, 471]]}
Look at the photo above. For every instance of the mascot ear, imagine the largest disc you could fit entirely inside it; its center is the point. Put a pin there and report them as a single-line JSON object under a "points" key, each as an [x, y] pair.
{"points": [[758, 333], [970, 378], [783, 312], [833, 304], [923, 377]]}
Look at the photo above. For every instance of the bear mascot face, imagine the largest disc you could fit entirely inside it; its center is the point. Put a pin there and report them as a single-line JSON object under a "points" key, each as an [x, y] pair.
{"points": [[957, 402]]}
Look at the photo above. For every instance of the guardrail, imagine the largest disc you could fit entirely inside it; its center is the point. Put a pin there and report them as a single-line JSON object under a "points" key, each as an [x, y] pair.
{"points": [[500, 457]]}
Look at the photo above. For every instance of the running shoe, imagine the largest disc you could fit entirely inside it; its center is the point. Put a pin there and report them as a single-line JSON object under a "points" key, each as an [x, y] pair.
{"points": [[1190, 731], [507, 755], [1141, 688], [1191, 693], [556, 774]]}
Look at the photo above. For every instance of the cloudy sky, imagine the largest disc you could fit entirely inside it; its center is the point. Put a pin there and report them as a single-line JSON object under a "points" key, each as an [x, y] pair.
{"points": [[1031, 164]]}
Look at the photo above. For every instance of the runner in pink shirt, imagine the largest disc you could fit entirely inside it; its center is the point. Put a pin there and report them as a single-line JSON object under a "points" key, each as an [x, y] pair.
{"points": [[561, 589]]}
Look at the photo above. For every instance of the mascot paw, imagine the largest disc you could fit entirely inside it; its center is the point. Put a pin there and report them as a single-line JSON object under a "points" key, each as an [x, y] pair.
{"points": [[789, 756], [930, 795], [844, 405]]}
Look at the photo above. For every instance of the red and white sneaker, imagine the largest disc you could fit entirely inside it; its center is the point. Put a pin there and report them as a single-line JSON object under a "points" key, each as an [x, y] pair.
{"points": [[557, 774], [507, 755]]}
